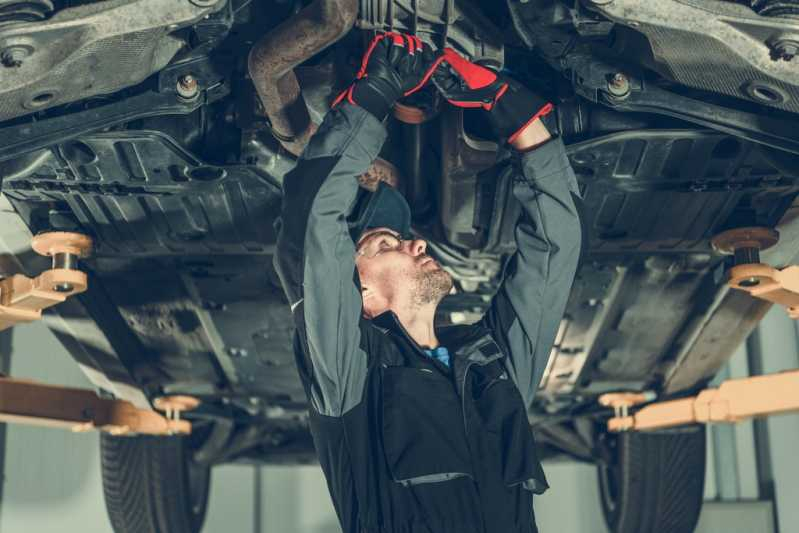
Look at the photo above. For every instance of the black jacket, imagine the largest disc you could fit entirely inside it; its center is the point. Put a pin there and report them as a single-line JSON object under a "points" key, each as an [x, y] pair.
{"points": [[408, 445]]}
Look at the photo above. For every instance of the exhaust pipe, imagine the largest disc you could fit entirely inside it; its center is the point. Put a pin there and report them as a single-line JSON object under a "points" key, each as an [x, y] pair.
{"points": [[273, 58]]}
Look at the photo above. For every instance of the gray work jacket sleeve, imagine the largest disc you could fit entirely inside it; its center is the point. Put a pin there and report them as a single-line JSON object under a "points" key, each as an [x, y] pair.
{"points": [[525, 314], [315, 257]]}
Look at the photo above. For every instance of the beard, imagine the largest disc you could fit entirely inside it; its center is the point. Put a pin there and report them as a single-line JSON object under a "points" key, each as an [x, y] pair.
{"points": [[430, 287]]}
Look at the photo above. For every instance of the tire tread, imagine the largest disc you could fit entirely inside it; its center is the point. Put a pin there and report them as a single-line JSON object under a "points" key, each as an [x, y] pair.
{"points": [[661, 481], [146, 485]]}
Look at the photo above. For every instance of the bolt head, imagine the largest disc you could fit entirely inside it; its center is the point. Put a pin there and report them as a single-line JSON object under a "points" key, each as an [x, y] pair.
{"points": [[619, 85], [13, 56], [785, 49], [187, 86]]}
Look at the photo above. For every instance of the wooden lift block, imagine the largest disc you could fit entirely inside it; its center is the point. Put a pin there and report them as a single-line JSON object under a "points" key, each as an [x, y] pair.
{"points": [[22, 298]]}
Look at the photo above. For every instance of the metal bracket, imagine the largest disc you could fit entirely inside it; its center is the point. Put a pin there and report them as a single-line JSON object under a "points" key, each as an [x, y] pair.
{"points": [[733, 401], [22, 298], [622, 87], [32, 403], [27, 137], [767, 130]]}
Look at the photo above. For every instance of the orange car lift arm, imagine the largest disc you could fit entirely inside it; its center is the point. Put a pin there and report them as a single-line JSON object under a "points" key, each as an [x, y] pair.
{"points": [[779, 286], [733, 401], [738, 399], [22, 298], [33, 403]]}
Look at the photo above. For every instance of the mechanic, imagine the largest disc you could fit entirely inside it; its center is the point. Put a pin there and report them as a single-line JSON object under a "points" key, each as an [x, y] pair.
{"points": [[418, 428]]}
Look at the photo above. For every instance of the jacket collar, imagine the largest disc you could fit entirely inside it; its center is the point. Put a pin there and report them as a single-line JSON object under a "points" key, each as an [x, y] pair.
{"points": [[472, 343], [388, 321]]}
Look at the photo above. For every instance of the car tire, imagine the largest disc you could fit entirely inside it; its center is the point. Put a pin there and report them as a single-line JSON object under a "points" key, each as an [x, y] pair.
{"points": [[653, 481], [152, 485]]}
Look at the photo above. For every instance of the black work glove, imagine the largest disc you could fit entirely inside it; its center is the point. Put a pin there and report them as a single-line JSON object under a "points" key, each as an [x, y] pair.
{"points": [[394, 65], [510, 105]]}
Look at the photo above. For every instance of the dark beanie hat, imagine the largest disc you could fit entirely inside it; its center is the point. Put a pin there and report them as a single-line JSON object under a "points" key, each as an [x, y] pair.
{"points": [[385, 207]]}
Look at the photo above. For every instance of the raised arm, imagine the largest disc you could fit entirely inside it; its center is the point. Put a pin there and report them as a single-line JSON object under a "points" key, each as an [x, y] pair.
{"points": [[525, 313], [315, 256]]}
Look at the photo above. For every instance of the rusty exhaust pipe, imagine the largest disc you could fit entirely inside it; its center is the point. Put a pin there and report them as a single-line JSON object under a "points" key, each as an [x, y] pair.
{"points": [[273, 58]]}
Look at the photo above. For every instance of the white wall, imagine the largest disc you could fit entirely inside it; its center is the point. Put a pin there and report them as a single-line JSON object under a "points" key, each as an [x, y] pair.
{"points": [[776, 342], [295, 500], [52, 477]]}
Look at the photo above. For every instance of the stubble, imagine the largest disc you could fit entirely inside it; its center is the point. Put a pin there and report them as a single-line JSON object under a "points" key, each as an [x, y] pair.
{"points": [[430, 286]]}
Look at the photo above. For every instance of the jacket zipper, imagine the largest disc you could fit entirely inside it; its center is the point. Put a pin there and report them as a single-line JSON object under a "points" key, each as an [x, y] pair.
{"points": [[415, 345], [418, 349], [463, 398]]}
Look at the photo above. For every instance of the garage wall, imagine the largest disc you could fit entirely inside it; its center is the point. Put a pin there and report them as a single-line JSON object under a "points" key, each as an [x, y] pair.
{"points": [[51, 480], [774, 348], [52, 477]]}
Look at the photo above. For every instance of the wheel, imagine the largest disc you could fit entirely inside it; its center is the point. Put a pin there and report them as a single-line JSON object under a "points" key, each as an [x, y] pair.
{"points": [[151, 485], [653, 482]]}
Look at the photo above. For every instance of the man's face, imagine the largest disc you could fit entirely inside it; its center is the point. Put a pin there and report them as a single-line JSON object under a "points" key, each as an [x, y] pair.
{"points": [[398, 274]]}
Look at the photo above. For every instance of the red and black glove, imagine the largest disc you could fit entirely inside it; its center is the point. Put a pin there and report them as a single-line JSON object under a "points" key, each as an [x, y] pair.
{"points": [[394, 65], [510, 105]]}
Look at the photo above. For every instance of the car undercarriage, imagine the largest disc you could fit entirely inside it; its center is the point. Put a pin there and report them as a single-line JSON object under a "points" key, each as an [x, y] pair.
{"points": [[163, 129]]}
